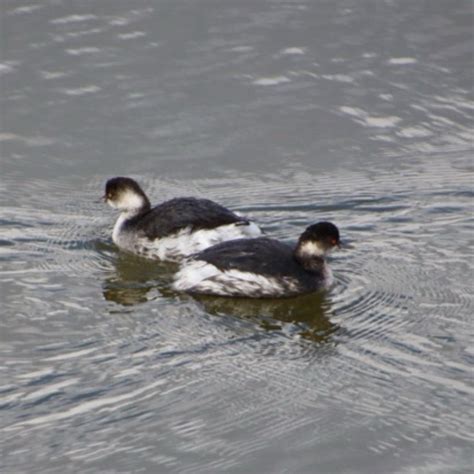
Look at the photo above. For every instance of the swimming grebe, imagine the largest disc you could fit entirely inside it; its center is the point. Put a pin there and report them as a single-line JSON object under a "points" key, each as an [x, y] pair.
{"points": [[261, 267], [173, 229]]}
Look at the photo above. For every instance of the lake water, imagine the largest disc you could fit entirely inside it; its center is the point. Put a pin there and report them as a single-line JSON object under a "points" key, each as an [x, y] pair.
{"points": [[290, 112]]}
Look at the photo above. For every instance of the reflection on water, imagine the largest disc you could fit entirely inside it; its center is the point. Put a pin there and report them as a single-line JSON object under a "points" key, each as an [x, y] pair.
{"points": [[137, 280], [307, 316], [289, 112]]}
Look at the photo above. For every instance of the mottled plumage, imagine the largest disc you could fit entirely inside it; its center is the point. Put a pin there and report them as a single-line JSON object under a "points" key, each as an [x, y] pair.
{"points": [[261, 267], [173, 229]]}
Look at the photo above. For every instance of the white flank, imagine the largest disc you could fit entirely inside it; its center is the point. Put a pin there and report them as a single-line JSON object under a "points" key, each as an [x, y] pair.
{"points": [[197, 276], [185, 242], [193, 273], [181, 244]]}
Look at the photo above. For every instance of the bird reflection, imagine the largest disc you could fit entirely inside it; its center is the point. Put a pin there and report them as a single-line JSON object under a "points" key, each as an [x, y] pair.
{"points": [[137, 280], [306, 315]]}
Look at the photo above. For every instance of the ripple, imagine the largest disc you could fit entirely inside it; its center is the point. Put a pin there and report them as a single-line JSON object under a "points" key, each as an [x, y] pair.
{"points": [[402, 61], [73, 19], [364, 118], [6, 68], [64, 239], [104, 366], [132, 35], [83, 50], [79, 91], [24, 9], [271, 81], [293, 51]]}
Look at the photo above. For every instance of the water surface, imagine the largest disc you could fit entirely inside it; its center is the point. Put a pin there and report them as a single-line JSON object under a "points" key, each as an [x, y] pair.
{"points": [[289, 112]]}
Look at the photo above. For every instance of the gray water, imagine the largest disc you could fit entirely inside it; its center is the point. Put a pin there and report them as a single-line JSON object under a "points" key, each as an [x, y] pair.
{"points": [[290, 112]]}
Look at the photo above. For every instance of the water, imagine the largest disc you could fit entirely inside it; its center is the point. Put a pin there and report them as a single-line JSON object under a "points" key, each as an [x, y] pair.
{"points": [[290, 112]]}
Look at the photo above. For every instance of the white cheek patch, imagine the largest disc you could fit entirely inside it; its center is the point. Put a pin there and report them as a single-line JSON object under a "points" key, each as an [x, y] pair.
{"points": [[311, 249], [129, 200]]}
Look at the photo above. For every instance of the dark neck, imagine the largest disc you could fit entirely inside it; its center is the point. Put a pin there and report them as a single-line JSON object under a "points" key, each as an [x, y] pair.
{"points": [[313, 264], [146, 207], [146, 203]]}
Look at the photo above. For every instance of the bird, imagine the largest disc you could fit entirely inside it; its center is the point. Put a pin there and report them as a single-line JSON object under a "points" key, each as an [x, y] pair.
{"points": [[261, 267], [173, 229]]}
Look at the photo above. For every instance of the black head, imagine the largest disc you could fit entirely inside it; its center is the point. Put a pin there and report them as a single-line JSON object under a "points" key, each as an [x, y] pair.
{"points": [[125, 194], [318, 239]]}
